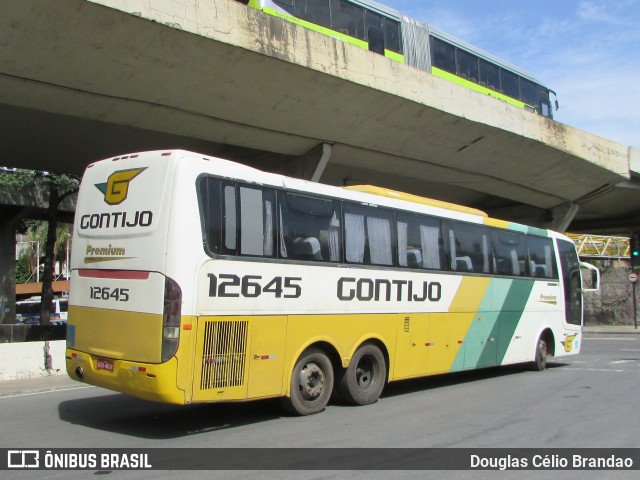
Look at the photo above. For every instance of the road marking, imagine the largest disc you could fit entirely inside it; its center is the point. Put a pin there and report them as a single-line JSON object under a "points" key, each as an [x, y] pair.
{"points": [[612, 338], [45, 391], [599, 370]]}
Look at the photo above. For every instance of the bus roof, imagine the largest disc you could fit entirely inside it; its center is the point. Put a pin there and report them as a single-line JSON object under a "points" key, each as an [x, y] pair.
{"points": [[409, 197]]}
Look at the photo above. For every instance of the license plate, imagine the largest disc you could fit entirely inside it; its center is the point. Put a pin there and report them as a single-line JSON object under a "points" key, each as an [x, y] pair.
{"points": [[105, 365]]}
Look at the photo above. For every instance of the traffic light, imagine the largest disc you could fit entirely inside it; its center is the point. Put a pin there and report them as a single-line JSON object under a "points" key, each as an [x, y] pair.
{"points": [[634, 249]]}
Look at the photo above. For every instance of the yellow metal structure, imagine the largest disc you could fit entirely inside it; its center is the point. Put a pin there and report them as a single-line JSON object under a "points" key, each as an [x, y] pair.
{"points": [[600, 246]]}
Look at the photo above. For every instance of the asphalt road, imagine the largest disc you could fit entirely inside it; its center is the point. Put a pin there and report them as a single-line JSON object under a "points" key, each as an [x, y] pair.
{"points": [[592, 400]]}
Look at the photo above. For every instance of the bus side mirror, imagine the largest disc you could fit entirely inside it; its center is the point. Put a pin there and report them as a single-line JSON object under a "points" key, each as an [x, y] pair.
{"points": [[590, 277]]}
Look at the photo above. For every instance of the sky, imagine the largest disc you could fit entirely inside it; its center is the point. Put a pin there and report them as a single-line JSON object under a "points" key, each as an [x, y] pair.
{"points": [[588, 51]]}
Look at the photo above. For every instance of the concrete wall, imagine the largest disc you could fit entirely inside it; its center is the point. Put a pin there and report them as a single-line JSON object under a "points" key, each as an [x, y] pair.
{"points": [[613, 304], [27, 360]]}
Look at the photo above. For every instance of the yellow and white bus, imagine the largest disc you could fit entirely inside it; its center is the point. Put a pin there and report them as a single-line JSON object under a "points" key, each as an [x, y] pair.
{"points": [[196, 279]]}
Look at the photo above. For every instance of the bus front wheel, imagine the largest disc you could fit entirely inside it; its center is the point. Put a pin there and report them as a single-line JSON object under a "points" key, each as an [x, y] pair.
{"points": [[363, 380], [311, 383], [540, 360]]}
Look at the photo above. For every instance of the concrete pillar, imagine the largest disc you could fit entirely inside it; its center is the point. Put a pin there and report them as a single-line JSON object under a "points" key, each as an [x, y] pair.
{"points": [[562, 216], [7, 271], [311, 165], [8, 265]]}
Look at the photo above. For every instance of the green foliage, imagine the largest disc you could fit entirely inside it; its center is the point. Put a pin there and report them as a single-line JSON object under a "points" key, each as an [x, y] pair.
{"points": [[23, 270], [21, 178]]}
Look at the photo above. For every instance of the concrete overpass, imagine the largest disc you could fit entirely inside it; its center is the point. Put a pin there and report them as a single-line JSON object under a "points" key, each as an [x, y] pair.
{"points": [[86, 79]]}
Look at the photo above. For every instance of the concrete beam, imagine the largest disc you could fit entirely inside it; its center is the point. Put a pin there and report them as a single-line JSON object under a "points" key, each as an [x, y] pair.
{"points": [[35, 197], [122, 75], [309, 166], [562, 217]]}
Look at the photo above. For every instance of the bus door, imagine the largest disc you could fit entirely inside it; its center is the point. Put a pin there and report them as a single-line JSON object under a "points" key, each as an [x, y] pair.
{"points": [[572, 283]]}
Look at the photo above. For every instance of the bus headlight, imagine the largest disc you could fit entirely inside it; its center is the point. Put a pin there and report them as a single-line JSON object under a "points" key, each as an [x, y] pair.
{"points": [[171, 319]]}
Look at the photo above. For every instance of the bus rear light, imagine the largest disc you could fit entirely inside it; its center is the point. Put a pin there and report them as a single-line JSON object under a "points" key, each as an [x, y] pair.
{"points": [[136, 368], [171, 332], [171, 318], [77, 356]]}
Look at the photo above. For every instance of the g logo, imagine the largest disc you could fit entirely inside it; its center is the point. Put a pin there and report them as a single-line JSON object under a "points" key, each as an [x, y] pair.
{"points": [[117, 186]]}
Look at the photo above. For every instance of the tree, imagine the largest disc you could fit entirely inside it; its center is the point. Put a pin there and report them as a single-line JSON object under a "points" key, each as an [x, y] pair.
{"points": [[57, 187], [60, 187]]}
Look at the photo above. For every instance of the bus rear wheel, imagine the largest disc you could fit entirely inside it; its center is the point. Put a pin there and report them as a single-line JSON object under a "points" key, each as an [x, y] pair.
{"points": [[311, 383], [363, 380], [540, 359]]}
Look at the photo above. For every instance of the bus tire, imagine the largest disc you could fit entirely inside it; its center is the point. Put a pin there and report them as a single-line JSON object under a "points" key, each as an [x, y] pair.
{"points": [[540, 359], [311, 384], [363, 380]]}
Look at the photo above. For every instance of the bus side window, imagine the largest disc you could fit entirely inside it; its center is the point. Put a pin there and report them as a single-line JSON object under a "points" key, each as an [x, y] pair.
{"points": [[419, 242], [309, 228], [368, 237], [229, 219], [257, 222], [509, 251], [209, 199], [541, 259], [469, 248]]}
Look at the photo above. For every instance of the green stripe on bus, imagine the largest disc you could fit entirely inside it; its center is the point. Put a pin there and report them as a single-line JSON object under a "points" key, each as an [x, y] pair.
{"points": [[501, 289], [511, 313], [494, 325], [398, 57], [477, 87], [475, 352], [538, 231]]}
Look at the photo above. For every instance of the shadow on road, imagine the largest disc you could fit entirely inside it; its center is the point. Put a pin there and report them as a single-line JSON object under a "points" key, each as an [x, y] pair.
{"points": [[448, 379], [126, 415], [130, 416]]}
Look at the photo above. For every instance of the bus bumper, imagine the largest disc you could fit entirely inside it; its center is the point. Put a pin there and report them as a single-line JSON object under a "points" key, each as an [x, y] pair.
{"points": [[155, 382]]}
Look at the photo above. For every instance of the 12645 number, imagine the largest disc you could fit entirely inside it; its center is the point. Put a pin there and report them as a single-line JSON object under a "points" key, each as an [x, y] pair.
{"points": [[252, 286]]}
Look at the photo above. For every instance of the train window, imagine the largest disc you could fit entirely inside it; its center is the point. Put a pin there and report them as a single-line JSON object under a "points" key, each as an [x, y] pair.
{"points": [[467, 66], [509, 84], [286, 5], [347, 18], [391, 35], [375, 35], [545, 104], [529, 92], [444, 55], [315, 11], [489, 75]]}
